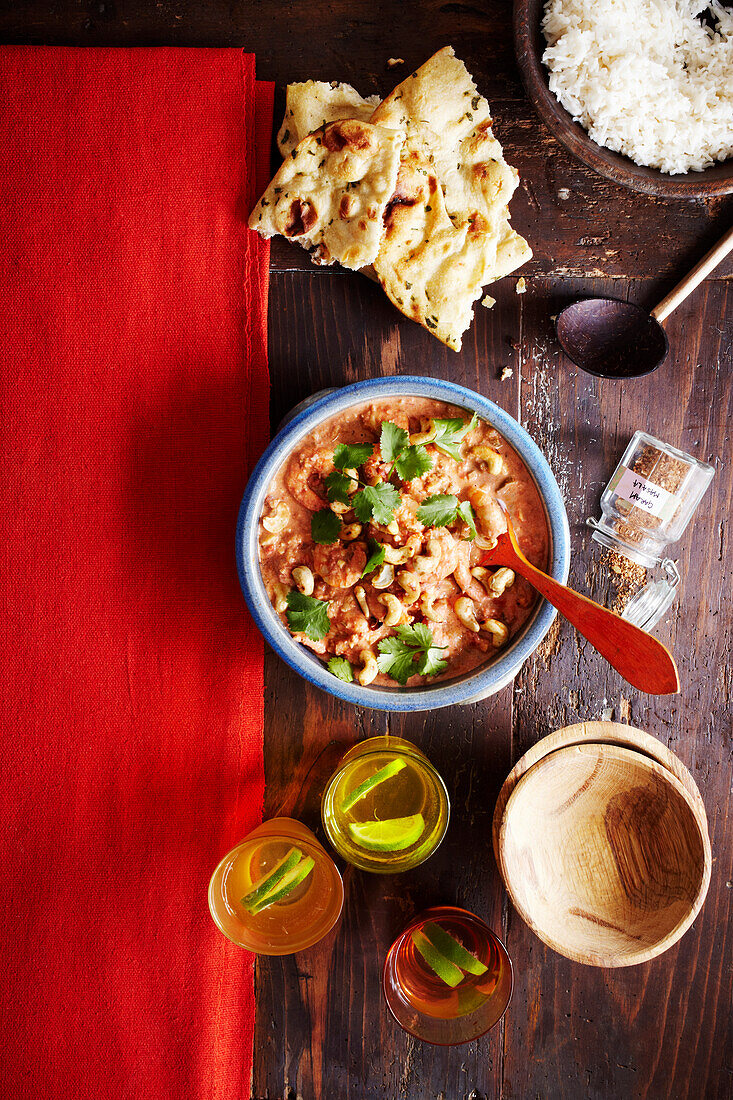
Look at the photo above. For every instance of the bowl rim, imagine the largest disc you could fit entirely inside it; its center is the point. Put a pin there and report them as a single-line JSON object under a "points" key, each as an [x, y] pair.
{"points": [[601, 958], [712, 182], [446, 693]]}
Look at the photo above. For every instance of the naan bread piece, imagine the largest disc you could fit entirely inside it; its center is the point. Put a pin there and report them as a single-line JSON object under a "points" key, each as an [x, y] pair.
{"points": [[314, 103], [331, 192], [440, 102], [425, 264], [448, 122]]}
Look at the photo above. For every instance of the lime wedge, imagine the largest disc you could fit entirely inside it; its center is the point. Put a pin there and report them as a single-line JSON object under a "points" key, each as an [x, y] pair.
{"points": [[438, 963], [373, 781], [452, 949], [269, 882], [469, 1000], [286, 885], [393, 835]]}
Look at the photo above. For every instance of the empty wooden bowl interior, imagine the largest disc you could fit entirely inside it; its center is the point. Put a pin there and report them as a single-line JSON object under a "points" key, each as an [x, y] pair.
{"points": [[616, 733], [604, 854]]}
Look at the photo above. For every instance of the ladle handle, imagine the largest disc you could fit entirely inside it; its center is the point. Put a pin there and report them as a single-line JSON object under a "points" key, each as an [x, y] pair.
{"points": [[641, 659], [699, 272]]}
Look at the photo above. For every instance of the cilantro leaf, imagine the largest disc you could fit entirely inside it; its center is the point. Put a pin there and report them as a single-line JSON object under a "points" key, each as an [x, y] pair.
{"points": [[349, 456], [465, 512], [410, 651], [392, 441], [376, 502], [325, 526], [337, 486], [307, 615], [340, 667], [451, 433], [418, 634], [396, 660], [375, 559], [438, 510], [413, 462], [431, 662]]}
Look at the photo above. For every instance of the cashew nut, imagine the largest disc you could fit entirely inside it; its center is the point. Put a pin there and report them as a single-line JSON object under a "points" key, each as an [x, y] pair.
{"points": [[483, 542], [499, 631], [268, 540], [339, 508], [492, 458], [350, 531], [397, 555], [360, 597], [280, 594], [411, 585], [354, 483], [502, 579], [395, 610], [465, 610], [303, 578], [393, 527], [278, 518], [426, 563], [370, 669], [385, 577], [483, 576], [427, 433], [426, 606]]}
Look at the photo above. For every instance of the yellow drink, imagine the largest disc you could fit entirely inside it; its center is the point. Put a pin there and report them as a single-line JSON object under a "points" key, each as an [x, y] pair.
{"points": [[386, 808]]}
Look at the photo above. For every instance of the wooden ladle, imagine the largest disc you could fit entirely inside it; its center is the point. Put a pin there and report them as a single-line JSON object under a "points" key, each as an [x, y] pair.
{"points": [[615, 339], [642, 660]]}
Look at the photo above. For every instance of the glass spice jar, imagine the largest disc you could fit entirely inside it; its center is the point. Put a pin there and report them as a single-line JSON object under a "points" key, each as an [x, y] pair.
{"points": [[647, 505]]}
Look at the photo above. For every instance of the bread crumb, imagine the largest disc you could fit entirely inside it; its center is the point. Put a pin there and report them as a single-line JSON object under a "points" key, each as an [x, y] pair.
{"points": [[506, 372], [488, 301], [521, 287], [392, 61]]}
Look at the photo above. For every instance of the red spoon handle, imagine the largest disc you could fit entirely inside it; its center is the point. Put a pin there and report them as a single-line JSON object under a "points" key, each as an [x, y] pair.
{"points": [[642, 660]]}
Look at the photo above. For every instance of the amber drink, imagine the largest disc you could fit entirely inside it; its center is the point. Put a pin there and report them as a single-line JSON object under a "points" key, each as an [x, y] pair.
{"points": [[278, 891], [386, 808], [447, 979]]}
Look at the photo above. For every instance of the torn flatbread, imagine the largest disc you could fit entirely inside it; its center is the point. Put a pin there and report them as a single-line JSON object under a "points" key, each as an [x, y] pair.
{"points": [[419, 263], [314, 103], [449, 123], [331, 192], [447, 230], [441, 103]]}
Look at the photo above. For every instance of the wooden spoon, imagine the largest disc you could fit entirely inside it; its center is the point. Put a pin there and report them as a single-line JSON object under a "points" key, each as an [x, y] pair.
{"points": [[642, 660], [614, 339]]}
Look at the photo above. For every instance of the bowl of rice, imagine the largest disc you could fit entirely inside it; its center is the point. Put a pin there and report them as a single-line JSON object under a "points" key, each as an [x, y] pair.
{"points": [[639, 90]]}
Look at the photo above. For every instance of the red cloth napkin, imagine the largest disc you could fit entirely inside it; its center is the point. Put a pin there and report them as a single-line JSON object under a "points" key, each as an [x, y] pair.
{"points": [[134, 394]]}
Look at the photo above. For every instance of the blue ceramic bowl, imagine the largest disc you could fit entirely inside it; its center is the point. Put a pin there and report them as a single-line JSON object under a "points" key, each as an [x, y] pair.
{"points": [[477, 684]]}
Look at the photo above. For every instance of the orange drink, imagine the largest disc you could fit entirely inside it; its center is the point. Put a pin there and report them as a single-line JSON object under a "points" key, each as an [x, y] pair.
{"points": [[278, 891], [447, 979]]}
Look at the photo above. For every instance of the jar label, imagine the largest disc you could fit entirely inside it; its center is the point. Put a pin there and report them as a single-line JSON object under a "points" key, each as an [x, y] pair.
{"points": [[643, 494]]}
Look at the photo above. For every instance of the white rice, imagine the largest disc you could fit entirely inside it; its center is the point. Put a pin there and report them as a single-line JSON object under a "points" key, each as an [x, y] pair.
{"points": [[646, 77]]}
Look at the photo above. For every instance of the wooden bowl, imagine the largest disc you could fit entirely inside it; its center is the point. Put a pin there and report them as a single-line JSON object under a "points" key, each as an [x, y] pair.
{"points": [[614, 733], [605, 854], [530, 44]]}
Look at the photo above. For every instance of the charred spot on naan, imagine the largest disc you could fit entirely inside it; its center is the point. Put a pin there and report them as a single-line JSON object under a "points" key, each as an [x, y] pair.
{"points": [[302, 217], [330, 193], [313, 104]]}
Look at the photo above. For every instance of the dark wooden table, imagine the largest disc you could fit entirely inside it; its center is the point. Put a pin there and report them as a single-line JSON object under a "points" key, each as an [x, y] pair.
{"points": [[659, 1031]]}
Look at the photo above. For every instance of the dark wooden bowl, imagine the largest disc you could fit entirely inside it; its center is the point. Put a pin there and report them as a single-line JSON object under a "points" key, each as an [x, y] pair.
{"points": [[530, 45]]}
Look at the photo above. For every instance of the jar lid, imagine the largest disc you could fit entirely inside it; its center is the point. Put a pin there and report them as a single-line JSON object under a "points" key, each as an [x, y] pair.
{"points": [[653, 600]]}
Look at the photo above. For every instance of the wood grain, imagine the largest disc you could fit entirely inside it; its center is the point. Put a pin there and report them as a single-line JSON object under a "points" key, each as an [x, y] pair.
{"points": [[655, 1032], [605, 854]]}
